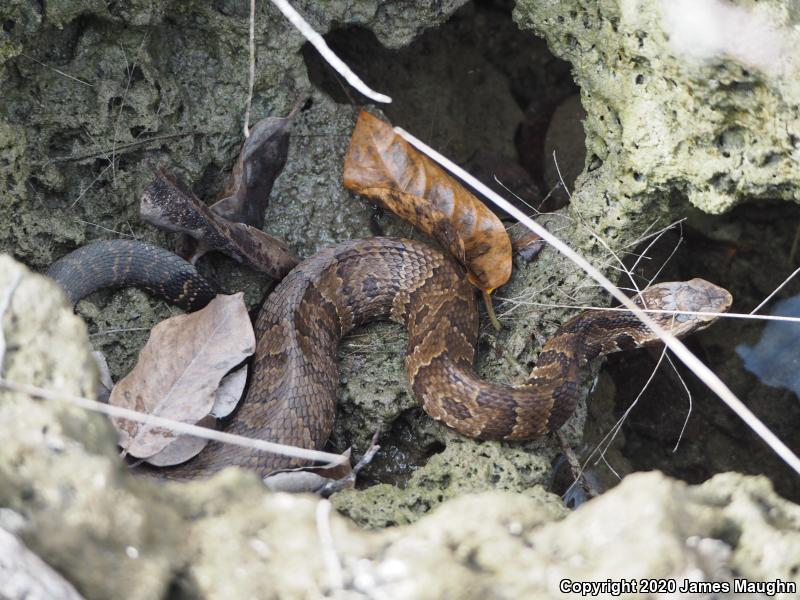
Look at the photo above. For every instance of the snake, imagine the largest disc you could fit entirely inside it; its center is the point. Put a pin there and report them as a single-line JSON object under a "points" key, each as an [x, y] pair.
{"points": [[292, 393]]}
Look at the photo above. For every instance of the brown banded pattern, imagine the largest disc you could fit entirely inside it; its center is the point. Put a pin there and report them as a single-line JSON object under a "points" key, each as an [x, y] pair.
{"points": [[292, 394]]}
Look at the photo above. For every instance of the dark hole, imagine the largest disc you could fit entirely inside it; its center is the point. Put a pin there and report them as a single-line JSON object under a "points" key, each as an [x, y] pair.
{"points": [[210, 181], [749, 252], [137, 130], [721, 181], [402, 452], [65, 141], [476, 88], [133, 75], [639, 79], [232, 8], [8, 25]]}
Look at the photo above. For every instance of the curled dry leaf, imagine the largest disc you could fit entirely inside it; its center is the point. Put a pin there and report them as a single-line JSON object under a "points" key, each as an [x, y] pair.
{"points": [[314, 479], [170, 205], [296, 482], [226, 398], [261, 160], [106, 383], [322, 481], [183, 447], [528, 244], [246, 195], [383, 166], [179, 370], [229, 392]]}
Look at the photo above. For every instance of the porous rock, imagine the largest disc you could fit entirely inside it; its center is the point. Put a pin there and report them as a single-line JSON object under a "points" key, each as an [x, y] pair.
{"points": [[124, 87], [699, 97], [66, 495], [133, 81]]}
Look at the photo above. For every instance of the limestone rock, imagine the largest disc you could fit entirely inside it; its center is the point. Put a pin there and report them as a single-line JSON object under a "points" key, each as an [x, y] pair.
{"points": [[700, 97]]}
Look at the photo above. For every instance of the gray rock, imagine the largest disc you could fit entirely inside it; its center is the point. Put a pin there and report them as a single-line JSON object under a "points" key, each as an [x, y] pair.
{"points": [[24, 576], [113, 536], [720, 127], [167, 83]]}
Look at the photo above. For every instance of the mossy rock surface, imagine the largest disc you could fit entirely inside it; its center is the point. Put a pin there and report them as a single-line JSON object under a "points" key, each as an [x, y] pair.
{"points": [[65, 493], [120, 87]]}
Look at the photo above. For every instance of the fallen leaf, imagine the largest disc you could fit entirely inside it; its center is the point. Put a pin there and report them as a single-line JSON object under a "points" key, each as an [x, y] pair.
{"points": [[106, 383], [296, 482], [229, 393], [246, 195], [321, 480], [168, 204], [383, 166], [179, 370], [261, 160], [316, 480], [183, 447], [528, 245]]}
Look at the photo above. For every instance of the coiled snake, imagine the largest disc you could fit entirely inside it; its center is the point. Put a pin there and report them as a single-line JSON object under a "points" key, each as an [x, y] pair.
{"points": [[292, 394]]}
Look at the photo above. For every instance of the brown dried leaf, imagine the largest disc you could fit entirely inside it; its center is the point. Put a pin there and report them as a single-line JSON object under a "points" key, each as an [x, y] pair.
{"points": [[246, 195], [106, 383], [261, 160], [296, 482], [321, 480], [382, 165], [170, 205], [528, 245], [179, 370]]}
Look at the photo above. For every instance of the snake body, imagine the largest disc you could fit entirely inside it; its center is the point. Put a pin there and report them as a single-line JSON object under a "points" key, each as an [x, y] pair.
{"points": [[292, 393]]}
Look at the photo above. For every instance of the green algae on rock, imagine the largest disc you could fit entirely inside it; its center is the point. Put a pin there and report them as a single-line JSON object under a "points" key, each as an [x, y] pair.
{"points": [[114, 536], [59, 469], [714, 129], [462, 467]]}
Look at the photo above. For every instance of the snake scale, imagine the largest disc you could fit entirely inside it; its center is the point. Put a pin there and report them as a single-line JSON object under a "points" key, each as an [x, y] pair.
{"points": [[292, 393]]}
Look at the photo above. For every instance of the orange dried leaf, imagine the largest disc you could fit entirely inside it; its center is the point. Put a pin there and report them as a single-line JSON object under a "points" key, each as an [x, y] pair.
{"points": [[383, 166]]}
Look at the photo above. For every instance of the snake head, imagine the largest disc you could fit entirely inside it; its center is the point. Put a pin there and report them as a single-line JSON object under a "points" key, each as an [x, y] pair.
{"points": [[688, 300]]}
